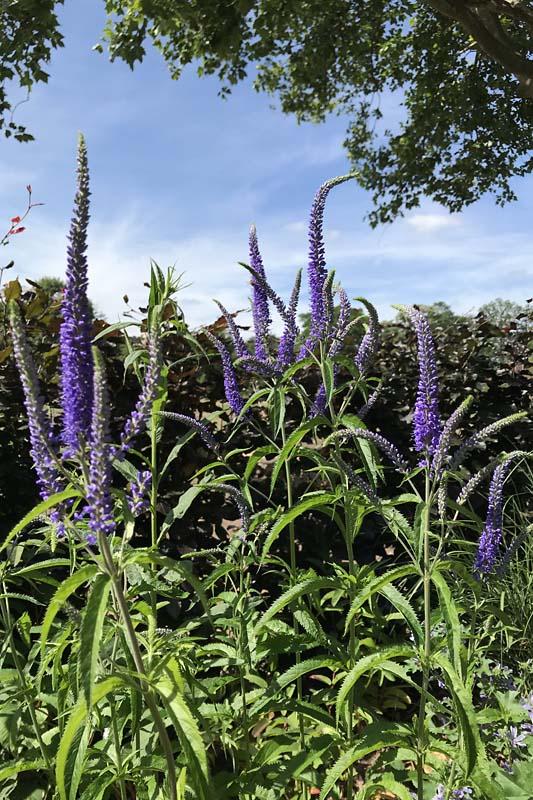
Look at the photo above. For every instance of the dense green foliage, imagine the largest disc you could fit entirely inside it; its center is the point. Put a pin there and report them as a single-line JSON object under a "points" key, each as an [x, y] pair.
{"points": [[438, 93]]}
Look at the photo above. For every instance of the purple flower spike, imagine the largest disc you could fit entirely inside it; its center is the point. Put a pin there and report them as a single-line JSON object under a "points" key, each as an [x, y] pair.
{"points": [[427, 424], [317, 273], [238, 341], [260, 310], [316, 270], [100, 503], [41, 438], [75, 333], [288, 338], [370, 341], [231, 387], [139, 416], [200, 427], [138, 493], [491, 536]]}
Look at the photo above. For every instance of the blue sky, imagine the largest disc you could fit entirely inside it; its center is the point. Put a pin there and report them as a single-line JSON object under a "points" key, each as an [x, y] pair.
{"points": [[178, 175]]}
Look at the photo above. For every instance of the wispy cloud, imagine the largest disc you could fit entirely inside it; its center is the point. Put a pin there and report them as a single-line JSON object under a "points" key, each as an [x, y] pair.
{"points": [[427, 223]]}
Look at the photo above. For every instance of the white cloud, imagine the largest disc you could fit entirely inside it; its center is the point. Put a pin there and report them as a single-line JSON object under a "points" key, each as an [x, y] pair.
{"points": [[427, 223]]}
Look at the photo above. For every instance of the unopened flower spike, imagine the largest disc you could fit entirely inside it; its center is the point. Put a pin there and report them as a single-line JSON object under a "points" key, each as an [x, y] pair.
{"points": [[75, 333], [478, 439], [426, 418], [448, 430], [369, 344], [484, 473], [141, 413], [363, 486], [287, 341], [231, 387], [260, 310], [200, 427], [100, 503], [276, 300]]}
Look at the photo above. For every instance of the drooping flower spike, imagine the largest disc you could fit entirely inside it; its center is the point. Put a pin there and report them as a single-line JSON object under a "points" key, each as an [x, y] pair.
{"points": [[200, 427], [478, 438], [390, 450], [260, 310], [41, 439], [483, 473], [75, 334], [100, 503], [426, 418]]}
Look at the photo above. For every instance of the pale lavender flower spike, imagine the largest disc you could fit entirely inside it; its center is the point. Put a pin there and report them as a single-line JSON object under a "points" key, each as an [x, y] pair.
{"points": [[426, 419], [238, 341], [370, 341], [288, 338], [260, 310], [75, 334], [200, 427], [136, 423], [100, 503], [41, 439]]}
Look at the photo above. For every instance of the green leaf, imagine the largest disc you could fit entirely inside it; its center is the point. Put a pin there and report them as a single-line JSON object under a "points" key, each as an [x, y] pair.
{"points": [[180, 444], [315, 501], [77, 719], [451, 618], [291, 675], [292, 442], [405, 608], [277, 410], [370, 662], [376, 585], [37, 511], [472, 744], [329, 379], [11, 770], [299, 589], [186, 727], [91, 634], [62, 594], [377, 736]]}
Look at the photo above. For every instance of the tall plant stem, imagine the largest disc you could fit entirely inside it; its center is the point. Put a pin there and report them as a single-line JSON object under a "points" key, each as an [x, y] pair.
{"points": [[426, 663], [6, 613], [152, 622], [139, 664], [244, 657], [292, 550]]}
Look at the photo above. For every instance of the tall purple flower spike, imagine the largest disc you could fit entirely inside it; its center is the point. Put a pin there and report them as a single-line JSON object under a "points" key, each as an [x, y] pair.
{"points": [[426, 419], [75, 334], [238, 341], [260, 310], [316, 270], [100, 503], [41, 439], [491, 536], [231, 387]]}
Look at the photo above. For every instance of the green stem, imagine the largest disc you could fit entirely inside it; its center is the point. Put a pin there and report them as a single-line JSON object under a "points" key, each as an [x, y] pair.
{"points": [[152, 622], [26, 691], [139, 664], [116, 739], [426, 662]]}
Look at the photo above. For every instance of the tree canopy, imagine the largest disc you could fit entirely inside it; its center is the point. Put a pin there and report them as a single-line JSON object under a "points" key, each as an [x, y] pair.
{"points": [[438, 94]]}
